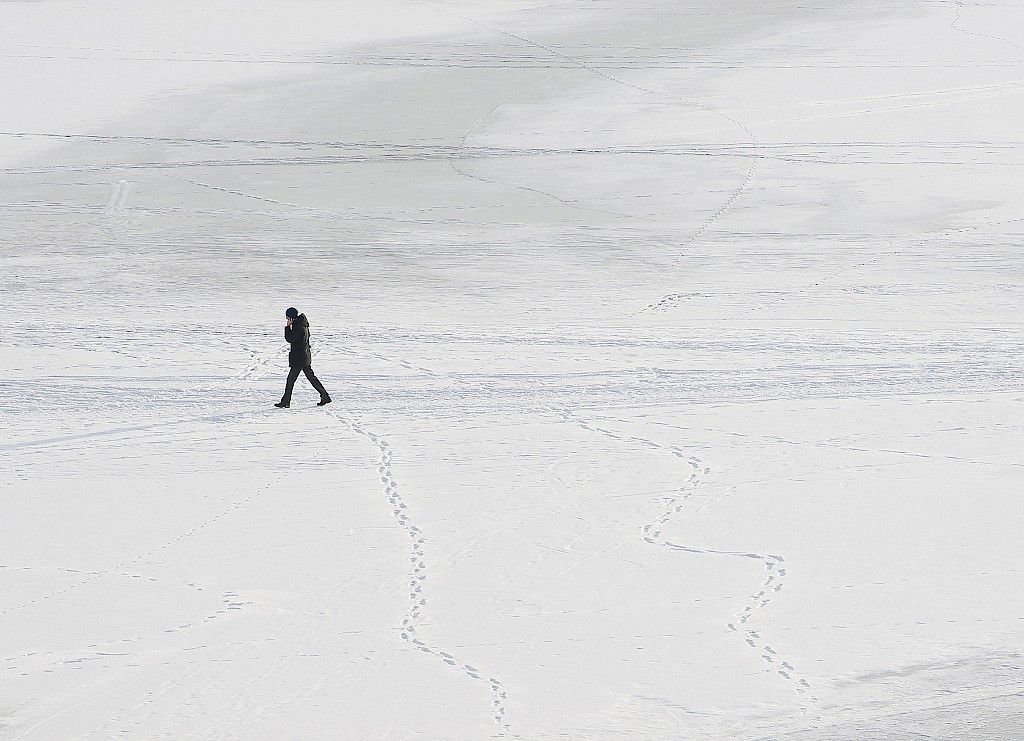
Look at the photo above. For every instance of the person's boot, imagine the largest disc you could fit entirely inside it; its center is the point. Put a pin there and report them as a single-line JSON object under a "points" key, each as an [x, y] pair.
{"points": [[282, 405], [324, 401]]}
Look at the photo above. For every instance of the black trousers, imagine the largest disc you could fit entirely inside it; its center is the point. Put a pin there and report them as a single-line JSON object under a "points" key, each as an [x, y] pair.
{"points": [[293, 373]]}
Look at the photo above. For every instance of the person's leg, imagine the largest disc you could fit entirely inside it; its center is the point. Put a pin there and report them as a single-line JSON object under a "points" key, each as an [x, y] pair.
{"points": [[293, 373], [308, 370]]}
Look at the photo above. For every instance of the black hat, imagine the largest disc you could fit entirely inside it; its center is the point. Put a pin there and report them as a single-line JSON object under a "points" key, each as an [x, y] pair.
{"points": [[292, 312]]}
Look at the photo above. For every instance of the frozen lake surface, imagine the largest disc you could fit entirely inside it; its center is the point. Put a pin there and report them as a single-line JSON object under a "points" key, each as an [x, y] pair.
{"points": [[675, 351]]}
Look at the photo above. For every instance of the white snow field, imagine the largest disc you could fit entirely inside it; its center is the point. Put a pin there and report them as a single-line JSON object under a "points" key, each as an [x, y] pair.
{"points": [[675, 348]]}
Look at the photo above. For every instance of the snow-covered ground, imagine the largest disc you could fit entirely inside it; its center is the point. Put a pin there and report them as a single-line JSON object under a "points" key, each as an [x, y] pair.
{"points": [[675, 347]]}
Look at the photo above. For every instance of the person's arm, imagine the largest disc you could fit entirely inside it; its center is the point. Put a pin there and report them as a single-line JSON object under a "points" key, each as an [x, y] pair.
{"points": [[289, 331]]}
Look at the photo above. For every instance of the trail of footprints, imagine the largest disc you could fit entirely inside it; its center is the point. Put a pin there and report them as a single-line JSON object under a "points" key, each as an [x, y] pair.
{"points": [[774, 565], [772, 584], [418, 577]]}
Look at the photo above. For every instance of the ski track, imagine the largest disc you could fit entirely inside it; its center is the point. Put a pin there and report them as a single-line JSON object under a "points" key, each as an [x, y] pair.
{"points": [[774, 565], [118, 197], [389, 359], [812, 153], [244, 194], [842, 151], [418, 576]]}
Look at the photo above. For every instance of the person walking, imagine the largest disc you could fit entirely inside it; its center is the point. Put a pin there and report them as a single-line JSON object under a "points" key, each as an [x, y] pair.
{"points": [[300, 358]]}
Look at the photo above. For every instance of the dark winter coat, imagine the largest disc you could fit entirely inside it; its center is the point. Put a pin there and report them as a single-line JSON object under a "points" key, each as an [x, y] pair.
{"points": [[298, 337]]}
